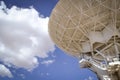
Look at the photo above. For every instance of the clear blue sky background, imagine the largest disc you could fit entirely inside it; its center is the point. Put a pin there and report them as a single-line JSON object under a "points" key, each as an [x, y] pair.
{"points": [[65, 67]]}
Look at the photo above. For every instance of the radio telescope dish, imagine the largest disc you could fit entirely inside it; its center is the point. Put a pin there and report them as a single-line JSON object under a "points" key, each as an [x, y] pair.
{"points": [[88, 28]]}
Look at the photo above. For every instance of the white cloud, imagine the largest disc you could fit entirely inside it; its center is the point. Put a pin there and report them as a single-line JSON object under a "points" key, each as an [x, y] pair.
{"points": [[47, 62], [4, 71], [23, 37], [45, 74], [22, 75], [89, 78]]}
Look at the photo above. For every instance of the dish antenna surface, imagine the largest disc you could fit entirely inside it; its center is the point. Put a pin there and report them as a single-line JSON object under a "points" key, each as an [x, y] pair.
{"points": [[89, 30]]}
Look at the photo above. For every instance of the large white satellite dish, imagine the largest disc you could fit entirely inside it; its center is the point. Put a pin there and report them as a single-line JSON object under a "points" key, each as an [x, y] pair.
{"points": [[90, 30]]}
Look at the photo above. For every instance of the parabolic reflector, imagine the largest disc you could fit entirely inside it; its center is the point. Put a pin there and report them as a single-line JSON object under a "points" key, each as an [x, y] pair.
{"points": [[90, 30], [85, 26]]}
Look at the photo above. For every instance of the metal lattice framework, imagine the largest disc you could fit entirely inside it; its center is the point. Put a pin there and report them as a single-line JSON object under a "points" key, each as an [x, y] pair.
{"points": [[82, 26], [88, 28]]}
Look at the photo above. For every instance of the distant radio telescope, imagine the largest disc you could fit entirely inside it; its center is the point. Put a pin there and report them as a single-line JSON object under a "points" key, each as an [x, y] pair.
{"points": [[89, 30]]}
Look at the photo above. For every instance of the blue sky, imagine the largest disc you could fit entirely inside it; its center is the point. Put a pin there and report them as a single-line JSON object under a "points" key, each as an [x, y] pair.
{"points": [[18, 60]]}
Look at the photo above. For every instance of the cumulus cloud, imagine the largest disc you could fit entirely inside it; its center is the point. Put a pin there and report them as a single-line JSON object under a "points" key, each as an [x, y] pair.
{"points": [[23, 37], [4, 71], [44, 74], [22, 75], [47, 62], [89, 78]]}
